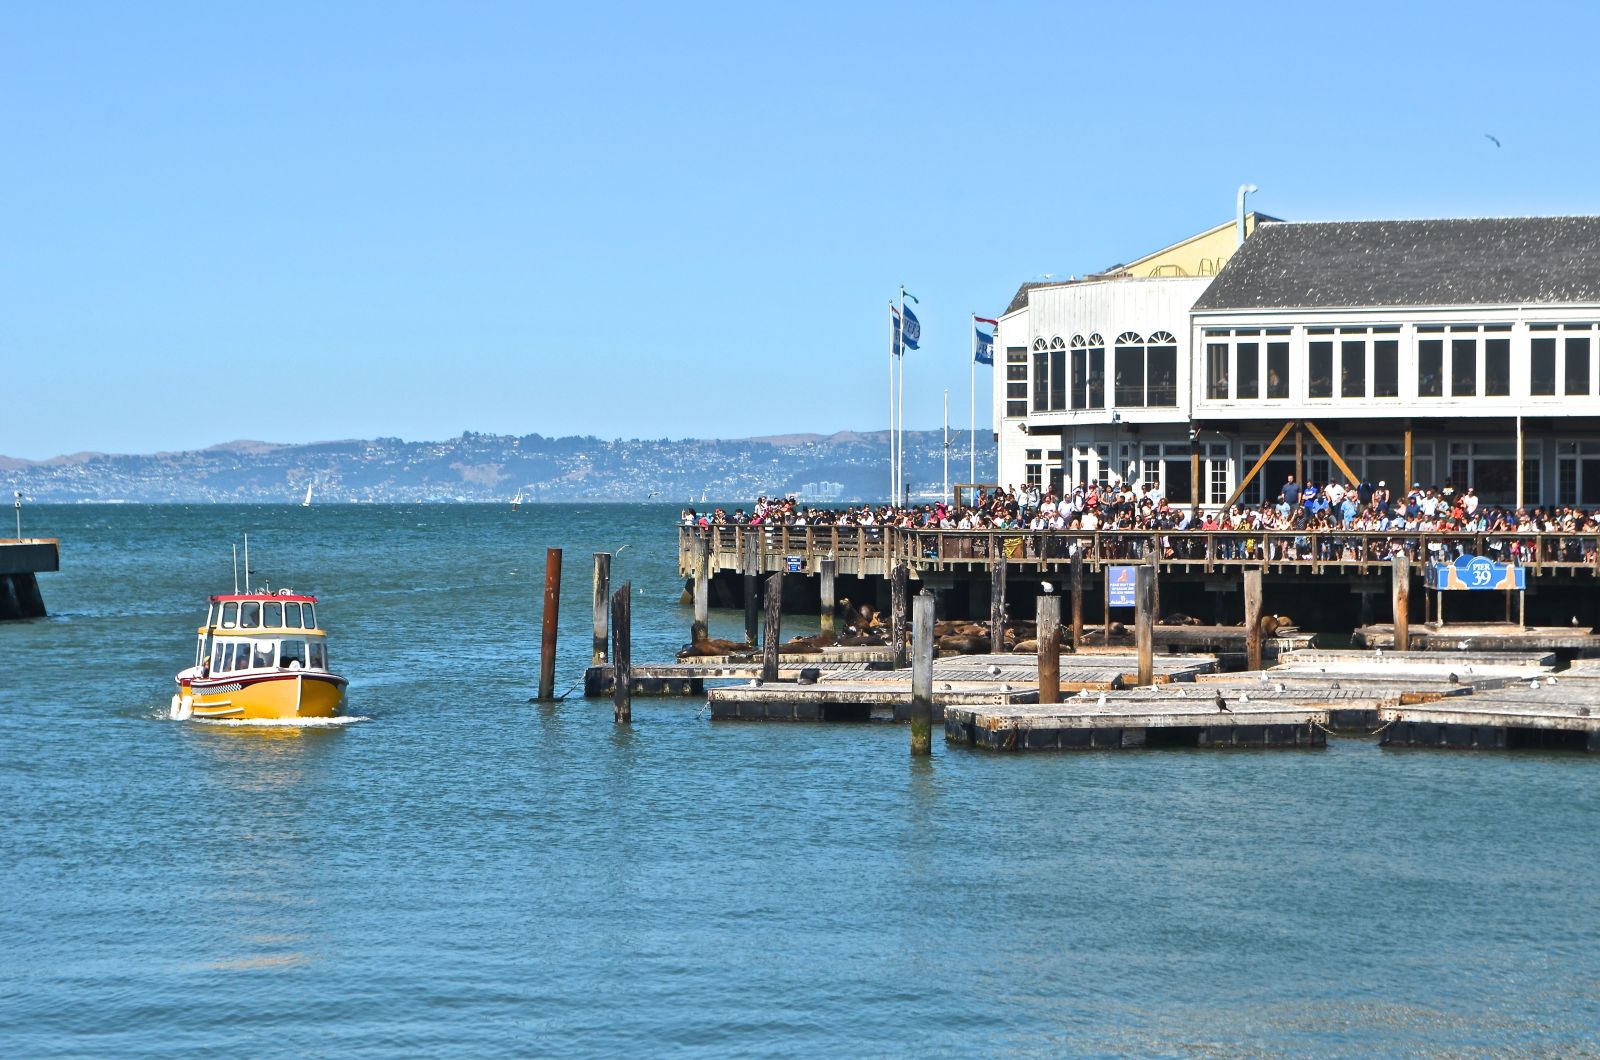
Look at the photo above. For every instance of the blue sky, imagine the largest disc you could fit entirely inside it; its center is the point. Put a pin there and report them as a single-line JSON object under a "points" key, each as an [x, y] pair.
{"points": [[313, 221]]}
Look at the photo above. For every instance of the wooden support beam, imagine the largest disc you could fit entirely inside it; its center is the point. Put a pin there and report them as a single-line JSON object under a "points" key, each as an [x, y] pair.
{"points": [[1327, 447], [622, 654], [1049, 615], [1300, 456], [774, 624], [1250, 475], [752, 587], [1143, 622], [700, 629], [829, 570], [602, 597], [1400, 593], [899, 592], [1252, 619], [552, 623], [1408, 479], [922, 674], [997, 602], [1077, 599]]}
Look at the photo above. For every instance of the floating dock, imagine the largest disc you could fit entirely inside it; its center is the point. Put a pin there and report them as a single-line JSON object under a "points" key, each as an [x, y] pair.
{"points": [[862, 694], [1484, 637], [689, 677], [1555, 713]]}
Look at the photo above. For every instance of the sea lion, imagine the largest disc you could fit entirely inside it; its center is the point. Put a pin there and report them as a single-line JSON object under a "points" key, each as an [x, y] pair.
{"points": [[712, 648], [960, 645], [1026, 647]]}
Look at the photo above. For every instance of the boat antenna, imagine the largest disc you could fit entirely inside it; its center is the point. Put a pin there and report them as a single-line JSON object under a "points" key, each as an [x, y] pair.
{"points": [[236, 570], [247, 563]]}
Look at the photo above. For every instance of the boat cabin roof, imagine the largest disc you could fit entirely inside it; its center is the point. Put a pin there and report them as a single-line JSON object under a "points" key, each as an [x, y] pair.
{"points": [[303, 598]]}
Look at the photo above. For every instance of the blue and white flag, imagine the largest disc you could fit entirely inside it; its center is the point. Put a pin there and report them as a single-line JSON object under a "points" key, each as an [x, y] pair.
{"points": [[906, 336], [983, 345]]}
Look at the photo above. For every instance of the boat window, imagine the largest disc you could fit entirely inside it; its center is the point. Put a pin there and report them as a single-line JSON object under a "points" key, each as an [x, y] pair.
{"points": [[291, 616], [250, 615], [292, 654], [317, 655], [222, 658], [311, 615], [272, 614], [230, 616], [265, 653]]}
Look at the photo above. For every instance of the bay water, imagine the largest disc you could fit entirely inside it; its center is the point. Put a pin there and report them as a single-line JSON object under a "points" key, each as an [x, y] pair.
{"points": [[463, 872]]}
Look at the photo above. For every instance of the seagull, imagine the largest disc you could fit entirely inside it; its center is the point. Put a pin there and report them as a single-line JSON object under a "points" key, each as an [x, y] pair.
{"points": [[1047, 588], [1282, 687], [1263, 677], [946, 688], [1583, 712], [620, 551], [1182, 694], [1221, 704], [1334, 686], [1575, 620], [1549, 680], [1243, 698], [1455, 679], [1491, 139], [994, 671], [1101, 701], [1003, 688], [1533, 686]]}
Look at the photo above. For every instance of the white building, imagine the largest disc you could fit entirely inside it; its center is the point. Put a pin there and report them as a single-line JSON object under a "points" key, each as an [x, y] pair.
{"points": [[1426, 351]]}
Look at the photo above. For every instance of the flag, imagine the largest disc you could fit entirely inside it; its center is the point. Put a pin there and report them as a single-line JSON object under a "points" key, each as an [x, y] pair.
{"points": [[908, 335], [983, 350]]}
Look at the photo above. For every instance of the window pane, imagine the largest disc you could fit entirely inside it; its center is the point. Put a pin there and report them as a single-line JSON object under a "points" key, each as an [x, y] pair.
{"points": [[1097, 377], [1277, 370], [1217, 371], [1041, 381], [1542, 375], [250, 615], [1247, 362], [1386, 368], [1577, 366], [1496, 367], [1058, 379], [291, 615], [1353, 369], [1321, 364], [230, 616], [1463, 367], [310, 611], [1162, 386], [1129, 384], [1080, 379], [1430, 368]]}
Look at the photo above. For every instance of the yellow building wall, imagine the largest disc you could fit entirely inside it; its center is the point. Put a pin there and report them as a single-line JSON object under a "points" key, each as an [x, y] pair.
{"points": [[1200, 255]]}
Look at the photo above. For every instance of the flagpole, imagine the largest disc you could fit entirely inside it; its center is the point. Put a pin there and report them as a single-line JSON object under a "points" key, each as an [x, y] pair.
{"points": [[900, 416], [946, 443], [894, 336], [972, 403]]}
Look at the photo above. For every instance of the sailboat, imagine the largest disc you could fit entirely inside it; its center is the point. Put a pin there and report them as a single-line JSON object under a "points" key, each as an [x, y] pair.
{"points": [[307, 502], [516, 502]]}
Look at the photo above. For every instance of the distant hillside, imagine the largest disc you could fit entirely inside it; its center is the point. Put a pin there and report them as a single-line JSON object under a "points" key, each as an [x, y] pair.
{"points": [[846, 466]]}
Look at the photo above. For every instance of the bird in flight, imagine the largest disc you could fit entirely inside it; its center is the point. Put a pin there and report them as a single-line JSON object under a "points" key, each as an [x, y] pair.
{"points": [[1492, 139]]}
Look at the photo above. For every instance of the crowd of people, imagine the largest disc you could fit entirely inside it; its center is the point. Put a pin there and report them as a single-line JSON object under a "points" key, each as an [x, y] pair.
{"points": [[1317, 515]]}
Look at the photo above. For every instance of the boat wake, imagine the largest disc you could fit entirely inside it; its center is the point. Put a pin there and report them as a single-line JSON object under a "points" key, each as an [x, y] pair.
{"points": [[283, 723]]}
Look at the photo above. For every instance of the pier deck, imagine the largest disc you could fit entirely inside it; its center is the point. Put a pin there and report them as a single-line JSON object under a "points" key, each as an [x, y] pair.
{"points": [[20, 560]]}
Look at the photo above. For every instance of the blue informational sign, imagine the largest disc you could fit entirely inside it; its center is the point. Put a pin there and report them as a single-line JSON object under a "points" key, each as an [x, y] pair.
{"points": [[1476, 572], [1120, 587], [795, 564]]}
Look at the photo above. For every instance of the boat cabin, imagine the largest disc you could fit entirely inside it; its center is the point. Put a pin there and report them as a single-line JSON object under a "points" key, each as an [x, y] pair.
{"points": [[260, 631]]}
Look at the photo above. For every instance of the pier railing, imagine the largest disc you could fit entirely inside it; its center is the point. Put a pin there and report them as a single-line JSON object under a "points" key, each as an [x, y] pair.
{"points": [[875, 550]]}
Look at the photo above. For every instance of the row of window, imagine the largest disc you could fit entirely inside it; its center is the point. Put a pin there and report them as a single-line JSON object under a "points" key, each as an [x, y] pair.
{"points": [[255, 614], [1144, 372], [230, 656]]}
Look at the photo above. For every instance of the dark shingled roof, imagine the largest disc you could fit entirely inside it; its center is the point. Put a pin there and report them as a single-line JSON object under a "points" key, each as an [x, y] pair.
{"points": [[1020, 299], [1342, 264]]}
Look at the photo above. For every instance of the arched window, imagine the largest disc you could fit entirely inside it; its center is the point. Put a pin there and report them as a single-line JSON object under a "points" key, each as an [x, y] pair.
{"points": [[1038, 344], [1128, 365], [1088, 372], [1057, 344], [1041, 375], [1161, 370], [1077, 341]]}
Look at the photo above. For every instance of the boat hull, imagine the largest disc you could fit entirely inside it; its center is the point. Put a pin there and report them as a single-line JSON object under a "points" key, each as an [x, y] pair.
{"points": [[278, 697]]}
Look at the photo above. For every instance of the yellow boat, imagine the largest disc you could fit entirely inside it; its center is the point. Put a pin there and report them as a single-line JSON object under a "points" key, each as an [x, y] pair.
{"points": [[260, 656]]}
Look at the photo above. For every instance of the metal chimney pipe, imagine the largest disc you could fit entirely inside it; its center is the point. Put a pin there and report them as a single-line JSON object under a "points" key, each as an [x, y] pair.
{"points": [[1244, 190]]}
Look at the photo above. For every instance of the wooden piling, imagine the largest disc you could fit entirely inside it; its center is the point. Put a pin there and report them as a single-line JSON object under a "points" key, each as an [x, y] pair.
{"points": [[1252, 619], [997, 602], [1400, 594], [774, 621], [829, 571], [1049, 649], [752, 586], [552, 619], [922, 674], [699, 631], [1144, 583], [622, 654], [602, 597], [898, 591], [1077, 598]]}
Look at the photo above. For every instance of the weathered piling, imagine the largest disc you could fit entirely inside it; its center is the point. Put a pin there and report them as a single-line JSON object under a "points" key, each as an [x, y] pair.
{"points": [[552, 619], [1144, 587], [922, 674], [774, 622], [1252, 619], [1049, 649], [1077, 598], [622, 654], [997, 604], [1400, 593], [602, 596], [752, 587], [898, 591], [699, 631], [829, 569]]}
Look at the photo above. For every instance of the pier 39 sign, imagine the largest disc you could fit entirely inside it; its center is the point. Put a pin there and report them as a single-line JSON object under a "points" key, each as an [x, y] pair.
{"points": [[1475, 572]]}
